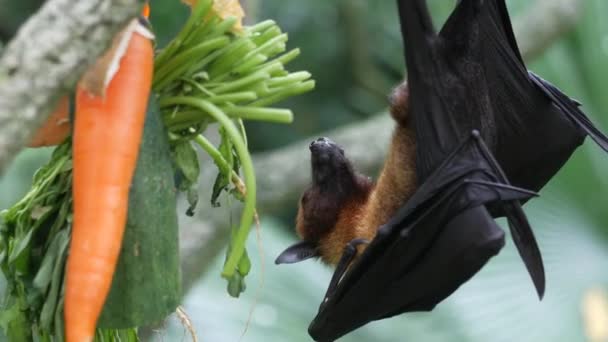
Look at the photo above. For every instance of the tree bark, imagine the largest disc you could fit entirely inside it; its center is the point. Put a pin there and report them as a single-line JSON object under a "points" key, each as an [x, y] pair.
{"points": [[46, 58]]}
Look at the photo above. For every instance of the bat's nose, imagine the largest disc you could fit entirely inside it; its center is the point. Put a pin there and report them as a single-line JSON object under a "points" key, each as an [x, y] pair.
{"points": [[321, 142]]}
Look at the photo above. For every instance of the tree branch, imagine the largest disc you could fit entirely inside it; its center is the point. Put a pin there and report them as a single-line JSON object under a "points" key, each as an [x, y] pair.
{"points": [[46, 58], [284, 173]]}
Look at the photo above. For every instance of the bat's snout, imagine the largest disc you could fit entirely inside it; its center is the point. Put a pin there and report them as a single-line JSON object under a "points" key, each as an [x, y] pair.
{"points": [[324, 145], [324, 149], [327, 159], [321, 144]]}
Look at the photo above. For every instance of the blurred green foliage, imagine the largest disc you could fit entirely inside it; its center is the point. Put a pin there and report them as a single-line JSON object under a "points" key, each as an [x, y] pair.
{"points": [[353, 49]]}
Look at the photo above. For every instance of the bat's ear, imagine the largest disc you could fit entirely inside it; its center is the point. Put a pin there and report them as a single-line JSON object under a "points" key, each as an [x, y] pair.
{"points": [[298, 252]]}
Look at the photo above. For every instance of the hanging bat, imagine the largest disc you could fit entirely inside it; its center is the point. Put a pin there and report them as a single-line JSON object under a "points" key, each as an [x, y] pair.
{"points": [[477, 135], [342, 204]]}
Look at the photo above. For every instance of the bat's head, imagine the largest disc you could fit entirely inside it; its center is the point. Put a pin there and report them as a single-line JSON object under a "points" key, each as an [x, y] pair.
{"points": [[330, 168], [336, 190], [333, 182]]}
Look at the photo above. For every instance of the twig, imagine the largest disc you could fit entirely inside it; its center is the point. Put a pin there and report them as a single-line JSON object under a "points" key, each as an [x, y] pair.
{"points": [[186, 322]]}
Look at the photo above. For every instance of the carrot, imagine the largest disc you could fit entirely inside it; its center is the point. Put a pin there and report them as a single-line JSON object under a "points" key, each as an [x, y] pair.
{"points": [[57, 127], [146, 11], [107, 134]]}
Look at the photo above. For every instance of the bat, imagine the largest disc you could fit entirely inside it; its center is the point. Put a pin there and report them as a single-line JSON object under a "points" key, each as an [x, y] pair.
{"points": [[482, 135], [342, 204]]}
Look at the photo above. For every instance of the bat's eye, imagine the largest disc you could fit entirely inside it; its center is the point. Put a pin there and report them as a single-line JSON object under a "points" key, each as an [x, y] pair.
{"points": [[342, 152]]}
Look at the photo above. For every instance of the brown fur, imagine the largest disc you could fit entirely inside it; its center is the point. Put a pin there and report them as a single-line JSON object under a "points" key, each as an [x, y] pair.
{"points": [[332, 245], [396, 184], [332, 219], [328, 218], [397, 181]]}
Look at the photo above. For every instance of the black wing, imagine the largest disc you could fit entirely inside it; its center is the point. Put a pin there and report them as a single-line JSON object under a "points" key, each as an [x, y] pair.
{"points": [[469, 77]]}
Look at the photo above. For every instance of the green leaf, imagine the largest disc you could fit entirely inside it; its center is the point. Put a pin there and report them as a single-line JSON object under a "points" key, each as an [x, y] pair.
{"points": [[19, 251], [15, 324], [223, 179], [221, 182], [58, 319], [226, 149], [192, 197], [186, 160], [9, 315], [39, 211], [45, 271], [47, 313]]}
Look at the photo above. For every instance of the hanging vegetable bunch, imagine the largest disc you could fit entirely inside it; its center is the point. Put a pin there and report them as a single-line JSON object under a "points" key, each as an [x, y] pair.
{"points": [[128, 154], [217, 71]]}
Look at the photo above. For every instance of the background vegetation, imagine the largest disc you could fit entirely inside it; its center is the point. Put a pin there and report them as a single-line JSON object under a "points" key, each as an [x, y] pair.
{"points": [[353, 50]]}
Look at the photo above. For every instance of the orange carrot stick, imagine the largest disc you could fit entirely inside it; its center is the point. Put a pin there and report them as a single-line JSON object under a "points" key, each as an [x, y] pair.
{"points": [[146, 11], [57, 127], [107, 135]]}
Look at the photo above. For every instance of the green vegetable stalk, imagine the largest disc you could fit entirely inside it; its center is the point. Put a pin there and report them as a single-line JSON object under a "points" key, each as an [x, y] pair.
{"points": [[234, 77], [34, 239]]}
